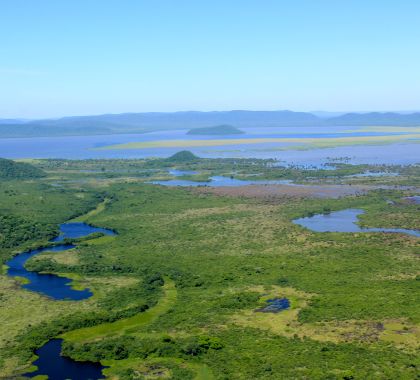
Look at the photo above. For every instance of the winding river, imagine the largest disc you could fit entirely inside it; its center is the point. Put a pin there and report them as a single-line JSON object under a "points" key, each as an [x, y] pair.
{"points": [[51, 285], [50, 362]]}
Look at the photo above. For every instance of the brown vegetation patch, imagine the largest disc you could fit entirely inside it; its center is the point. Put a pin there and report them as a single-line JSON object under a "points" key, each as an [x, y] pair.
{"points": [[284, 191]]}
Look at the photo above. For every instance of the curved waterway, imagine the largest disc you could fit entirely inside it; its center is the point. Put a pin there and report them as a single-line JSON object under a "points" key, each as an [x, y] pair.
{"points": [[57, 367], [51, 285], [345, 221]]}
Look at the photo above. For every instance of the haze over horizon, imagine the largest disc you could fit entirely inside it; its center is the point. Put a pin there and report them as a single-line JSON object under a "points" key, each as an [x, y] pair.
{"points": [[320, 113], [91, 58]]}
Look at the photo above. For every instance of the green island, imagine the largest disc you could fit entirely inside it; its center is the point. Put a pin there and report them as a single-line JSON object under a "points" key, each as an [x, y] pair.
{"points": [[224, 129], [177, 292]]}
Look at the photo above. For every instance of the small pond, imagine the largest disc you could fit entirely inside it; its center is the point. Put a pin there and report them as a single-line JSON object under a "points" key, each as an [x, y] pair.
{"points": [[51, 285], [345, 221], [57, 367], [275, 305]]}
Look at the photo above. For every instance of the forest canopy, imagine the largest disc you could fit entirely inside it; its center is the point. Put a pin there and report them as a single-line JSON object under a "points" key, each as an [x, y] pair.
{"points": [[18, 170]]}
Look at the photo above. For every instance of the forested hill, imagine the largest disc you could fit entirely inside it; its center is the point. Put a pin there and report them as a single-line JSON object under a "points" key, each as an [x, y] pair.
{"points": [[18, 170], [183, 156]]}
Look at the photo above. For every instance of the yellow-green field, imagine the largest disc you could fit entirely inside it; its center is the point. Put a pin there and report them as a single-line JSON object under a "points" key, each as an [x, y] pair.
{"points": [[127, 325], [290, 143]]}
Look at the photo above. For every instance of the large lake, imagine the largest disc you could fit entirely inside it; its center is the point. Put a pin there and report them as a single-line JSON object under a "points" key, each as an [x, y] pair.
{"points": [[82, 147]]}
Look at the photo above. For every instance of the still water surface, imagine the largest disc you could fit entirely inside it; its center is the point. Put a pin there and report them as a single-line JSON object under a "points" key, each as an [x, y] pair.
{"points": [[275, 305], [57, 367], [220, 181], [345, 221], [51, 285], [81, 147]]}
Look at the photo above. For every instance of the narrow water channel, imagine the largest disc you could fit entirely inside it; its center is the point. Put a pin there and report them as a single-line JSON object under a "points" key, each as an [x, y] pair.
{"points": [[50, 362], [51, 285]]}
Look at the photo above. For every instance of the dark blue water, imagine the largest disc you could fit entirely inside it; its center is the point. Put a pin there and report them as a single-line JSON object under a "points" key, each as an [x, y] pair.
{"points": [[345, 221], [219, 181], [48, 284], [78, 230], [58, 367], [51, 285], [275, 305]]}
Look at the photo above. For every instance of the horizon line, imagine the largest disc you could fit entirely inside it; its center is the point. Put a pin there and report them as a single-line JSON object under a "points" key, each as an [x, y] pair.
{"points": [[26, 119]]}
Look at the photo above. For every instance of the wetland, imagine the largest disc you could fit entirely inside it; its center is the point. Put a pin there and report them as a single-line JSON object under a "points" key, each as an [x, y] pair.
{"points": [[209, 282]]}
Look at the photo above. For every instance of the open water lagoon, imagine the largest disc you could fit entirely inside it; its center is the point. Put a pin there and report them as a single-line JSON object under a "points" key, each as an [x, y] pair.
{"points": [[345, 221], [82, 147]]}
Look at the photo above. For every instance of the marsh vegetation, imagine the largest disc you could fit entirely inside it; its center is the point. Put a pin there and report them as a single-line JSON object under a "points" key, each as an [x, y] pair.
{"points": [[176, 292]]}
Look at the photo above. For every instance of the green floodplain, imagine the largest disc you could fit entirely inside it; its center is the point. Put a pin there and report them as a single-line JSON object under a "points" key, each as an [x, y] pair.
{"points": [[175, 293]]}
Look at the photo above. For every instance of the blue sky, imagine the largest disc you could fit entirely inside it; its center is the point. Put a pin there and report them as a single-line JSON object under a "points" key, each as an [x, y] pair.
{"points": [[83, 57]]}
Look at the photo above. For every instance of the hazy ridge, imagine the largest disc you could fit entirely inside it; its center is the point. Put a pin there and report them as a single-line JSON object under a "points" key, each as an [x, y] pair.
{"points": [[149, 121]]}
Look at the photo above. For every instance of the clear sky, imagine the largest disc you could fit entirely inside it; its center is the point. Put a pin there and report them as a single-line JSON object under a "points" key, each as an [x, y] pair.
{"points": [[78, 57]]}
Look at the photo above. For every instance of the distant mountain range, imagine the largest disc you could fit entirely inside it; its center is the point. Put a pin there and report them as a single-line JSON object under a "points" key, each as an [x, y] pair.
{"points": [[150, 121], [376, 118]]}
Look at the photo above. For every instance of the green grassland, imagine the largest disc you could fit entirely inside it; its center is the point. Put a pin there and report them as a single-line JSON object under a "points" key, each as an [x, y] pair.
{"points": [[175, 291], [126, 325]]}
